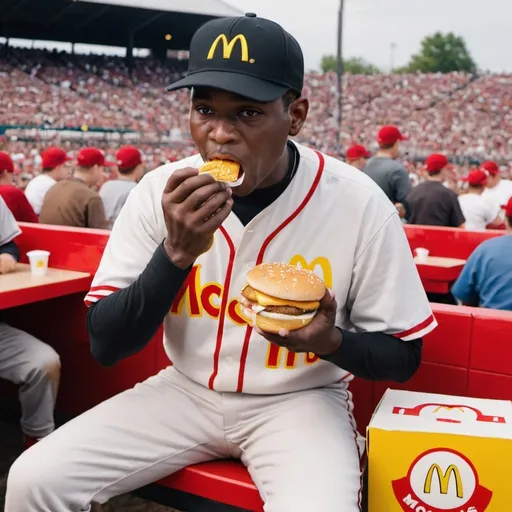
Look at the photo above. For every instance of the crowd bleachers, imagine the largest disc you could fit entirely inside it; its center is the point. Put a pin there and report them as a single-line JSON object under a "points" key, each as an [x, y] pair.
{"points": [[467, 116]]}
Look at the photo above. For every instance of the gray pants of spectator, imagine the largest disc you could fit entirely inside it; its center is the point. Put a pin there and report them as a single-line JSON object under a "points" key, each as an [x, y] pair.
{"points": [[35, 367]]}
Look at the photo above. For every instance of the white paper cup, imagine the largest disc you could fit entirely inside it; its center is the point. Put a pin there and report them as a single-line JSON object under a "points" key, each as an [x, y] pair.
{"points": [[422, 255], [38, 262]]}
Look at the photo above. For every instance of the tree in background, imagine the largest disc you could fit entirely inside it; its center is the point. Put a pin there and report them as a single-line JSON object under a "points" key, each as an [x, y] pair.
{"points": [[441, 53], [354, 65]]}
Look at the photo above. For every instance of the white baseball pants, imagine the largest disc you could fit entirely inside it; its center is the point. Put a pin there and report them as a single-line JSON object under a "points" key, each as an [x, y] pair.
{"points": [[35, 368], [300, 448]]}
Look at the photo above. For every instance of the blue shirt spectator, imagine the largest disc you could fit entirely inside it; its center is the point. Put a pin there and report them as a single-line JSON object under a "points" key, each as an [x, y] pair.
{"points": [[486, 279]]}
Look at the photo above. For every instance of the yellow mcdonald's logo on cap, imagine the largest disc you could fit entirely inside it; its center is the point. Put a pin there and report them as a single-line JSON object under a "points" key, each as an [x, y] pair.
{"points": [[228, 46], [444, 480]]}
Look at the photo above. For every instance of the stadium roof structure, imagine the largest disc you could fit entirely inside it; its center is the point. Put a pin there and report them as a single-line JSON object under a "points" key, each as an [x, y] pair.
{"points": [[155, 24]]}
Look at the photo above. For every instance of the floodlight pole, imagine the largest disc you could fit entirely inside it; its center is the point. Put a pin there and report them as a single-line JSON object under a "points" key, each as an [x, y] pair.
{"points": [[339, 72]]}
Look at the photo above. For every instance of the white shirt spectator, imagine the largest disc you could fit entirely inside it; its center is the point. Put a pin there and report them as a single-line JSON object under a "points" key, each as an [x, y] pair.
{"points": [[478, 211], [500, 194], [36, 190]]}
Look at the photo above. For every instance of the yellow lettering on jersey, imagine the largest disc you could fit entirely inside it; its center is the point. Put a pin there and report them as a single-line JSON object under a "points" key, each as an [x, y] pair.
{"points": [[189, 295], [310, 358], [208, 293], [275, 356], [276, 360], [320, 261], [206, 299]]}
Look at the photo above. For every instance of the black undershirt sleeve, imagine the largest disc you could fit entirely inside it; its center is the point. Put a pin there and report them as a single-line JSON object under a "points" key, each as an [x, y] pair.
{"points": [[377, 356], [12, 249], [124, 322]]}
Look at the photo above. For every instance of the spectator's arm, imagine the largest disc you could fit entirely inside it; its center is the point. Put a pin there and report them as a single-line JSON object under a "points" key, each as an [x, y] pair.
{"points": [[401, 186], [494, 219], [12, 249], [466, 288]]}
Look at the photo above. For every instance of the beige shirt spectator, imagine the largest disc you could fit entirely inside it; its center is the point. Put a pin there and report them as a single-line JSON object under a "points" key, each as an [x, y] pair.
{"points": [[73, 203]]}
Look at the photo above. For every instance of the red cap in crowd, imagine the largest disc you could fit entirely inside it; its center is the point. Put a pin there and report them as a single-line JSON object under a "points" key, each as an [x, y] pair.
{"points": [[357, 151], [53, 157], [388, 135], [128, 158], [6, 163], [436, 162], [491, 167], [477, 177], [87, 157], [508, 208]]}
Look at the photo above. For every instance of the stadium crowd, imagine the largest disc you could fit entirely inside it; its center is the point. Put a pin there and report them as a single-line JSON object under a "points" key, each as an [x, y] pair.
{"points": [[468, 117], [91, 100]]}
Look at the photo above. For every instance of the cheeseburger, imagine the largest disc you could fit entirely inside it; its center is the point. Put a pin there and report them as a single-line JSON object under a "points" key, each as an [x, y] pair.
{"points": [[223, 170], [279, 296]]}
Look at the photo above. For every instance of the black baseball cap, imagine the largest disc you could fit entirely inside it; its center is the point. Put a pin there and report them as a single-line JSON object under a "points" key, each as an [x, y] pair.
{"points": [[248, 56]]}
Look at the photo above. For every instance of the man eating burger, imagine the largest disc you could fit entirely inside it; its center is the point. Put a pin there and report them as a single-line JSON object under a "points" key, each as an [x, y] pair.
{"points": [[278, 400]]}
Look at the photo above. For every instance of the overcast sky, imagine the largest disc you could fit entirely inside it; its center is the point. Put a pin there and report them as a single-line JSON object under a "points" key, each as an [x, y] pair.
{"points": [[371, 26]]}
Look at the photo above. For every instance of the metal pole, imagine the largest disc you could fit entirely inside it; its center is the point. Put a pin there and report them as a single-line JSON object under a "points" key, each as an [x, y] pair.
{"points": [[392, 58], [340, 71]]}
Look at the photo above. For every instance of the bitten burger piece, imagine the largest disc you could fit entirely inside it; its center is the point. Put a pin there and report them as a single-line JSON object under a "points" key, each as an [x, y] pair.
{"points": [[222, 170], [279, 296]]}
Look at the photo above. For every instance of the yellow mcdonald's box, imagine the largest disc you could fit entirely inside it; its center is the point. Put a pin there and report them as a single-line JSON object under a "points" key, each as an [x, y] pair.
{"points": [[439, 453]]}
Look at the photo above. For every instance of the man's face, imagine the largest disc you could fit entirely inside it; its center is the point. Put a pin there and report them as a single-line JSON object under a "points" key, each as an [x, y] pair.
{"points": [[395, 150], [253, 134], [63, 172]]}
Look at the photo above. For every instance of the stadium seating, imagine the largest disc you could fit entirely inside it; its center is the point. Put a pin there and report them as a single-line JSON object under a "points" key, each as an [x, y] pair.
{"points": [[447, 242], [464, 115], [468, 354]]}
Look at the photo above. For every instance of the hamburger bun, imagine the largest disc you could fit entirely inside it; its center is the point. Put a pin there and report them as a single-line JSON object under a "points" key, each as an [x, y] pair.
{"points": [[222, 170], [279, 296]]}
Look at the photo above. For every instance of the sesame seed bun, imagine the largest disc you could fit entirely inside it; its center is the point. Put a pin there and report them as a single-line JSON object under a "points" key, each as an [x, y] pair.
{"points": [[286, 282], [279, 296]]}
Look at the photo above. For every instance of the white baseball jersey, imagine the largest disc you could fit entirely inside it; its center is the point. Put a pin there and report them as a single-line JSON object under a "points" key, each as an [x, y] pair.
{"points": [[330, 219]]}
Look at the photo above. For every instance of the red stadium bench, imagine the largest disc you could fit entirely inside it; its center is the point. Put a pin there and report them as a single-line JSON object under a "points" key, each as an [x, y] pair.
{"points": [[447, 242], [468, 354]]}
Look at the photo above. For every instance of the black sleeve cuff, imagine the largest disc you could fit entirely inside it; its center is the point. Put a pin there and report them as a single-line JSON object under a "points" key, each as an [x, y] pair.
{"points": [[377, 356], [12, 249]]}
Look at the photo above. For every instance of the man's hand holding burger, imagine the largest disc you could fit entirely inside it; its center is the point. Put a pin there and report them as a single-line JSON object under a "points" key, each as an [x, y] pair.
{"points": [[291, 307], [194, 205], [319, 337]]}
